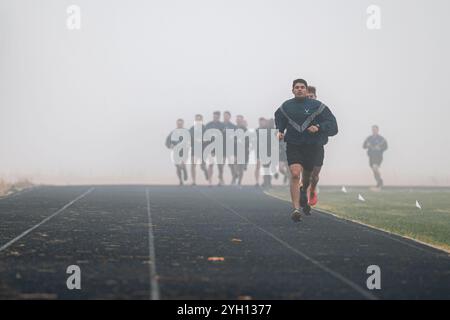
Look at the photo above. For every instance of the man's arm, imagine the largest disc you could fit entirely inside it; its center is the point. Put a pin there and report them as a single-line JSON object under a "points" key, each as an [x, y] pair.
{"points": [[280, 123], [366, 143], [327, 123], [384, 145], [169, 141]]}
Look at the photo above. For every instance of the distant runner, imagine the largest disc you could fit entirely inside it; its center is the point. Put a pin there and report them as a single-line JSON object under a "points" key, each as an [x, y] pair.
{"points": [[170, 143], [308, 124], [229, 154], [376, 145], [245, 143], [262, 125], [312, 92], [197, 158], [215, 124]]}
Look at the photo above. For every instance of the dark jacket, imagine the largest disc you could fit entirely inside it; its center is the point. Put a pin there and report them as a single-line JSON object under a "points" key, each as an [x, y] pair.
{"points": [[299, 110], [375, 145]]}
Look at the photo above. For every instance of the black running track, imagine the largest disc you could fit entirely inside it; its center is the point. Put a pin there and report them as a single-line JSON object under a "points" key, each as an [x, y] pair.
{"points": [[139, 242]]}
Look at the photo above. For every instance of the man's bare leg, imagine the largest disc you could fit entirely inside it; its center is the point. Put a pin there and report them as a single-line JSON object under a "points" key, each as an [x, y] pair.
{"points": [[314, 179], [306, 179], [220, 169], [180, 178], [257, 171], [377, 175], [184, 170], [193, 175], [210, 173], [306, 182], [296, 171]]}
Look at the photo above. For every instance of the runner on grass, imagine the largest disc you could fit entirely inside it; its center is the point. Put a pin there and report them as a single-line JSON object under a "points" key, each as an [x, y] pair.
{"points": [[376, 145]]}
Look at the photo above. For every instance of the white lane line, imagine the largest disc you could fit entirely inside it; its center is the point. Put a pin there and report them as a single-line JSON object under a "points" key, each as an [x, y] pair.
{"points": [[5, 246], [154, 286], [334, 274]]}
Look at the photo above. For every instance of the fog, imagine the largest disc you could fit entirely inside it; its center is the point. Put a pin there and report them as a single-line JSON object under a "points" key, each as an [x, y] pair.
{"points": [[94, 105]]}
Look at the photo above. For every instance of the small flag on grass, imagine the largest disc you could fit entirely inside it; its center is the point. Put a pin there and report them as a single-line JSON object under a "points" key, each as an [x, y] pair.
{"points": [[360, 198], [418, 205], [344, 190]]}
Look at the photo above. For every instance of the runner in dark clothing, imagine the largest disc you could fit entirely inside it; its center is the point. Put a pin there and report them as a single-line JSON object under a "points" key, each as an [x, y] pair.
{"points": [[197, 158], [215, 124], [171, 143], [376, 145], [262, 125], [308, 124], [312, 92], [267, 178], [229, 154], [245, 142]]}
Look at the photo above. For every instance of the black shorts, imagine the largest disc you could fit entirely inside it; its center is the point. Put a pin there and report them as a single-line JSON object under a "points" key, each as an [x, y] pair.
{"points": [[308, 155], [375, 159]]}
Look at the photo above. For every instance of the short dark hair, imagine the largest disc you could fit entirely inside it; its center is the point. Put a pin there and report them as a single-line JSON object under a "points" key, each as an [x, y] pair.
{"points": [[216, 113], [375, 127], [199, 116], [180, 120], [227, 112], [299, 81], [312, 90]]}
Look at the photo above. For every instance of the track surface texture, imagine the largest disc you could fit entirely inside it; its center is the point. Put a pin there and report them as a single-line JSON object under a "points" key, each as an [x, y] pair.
{"points": [[154, 242]]}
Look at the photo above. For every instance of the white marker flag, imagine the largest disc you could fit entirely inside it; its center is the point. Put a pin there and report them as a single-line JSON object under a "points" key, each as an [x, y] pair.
{"points": [[344, 190], [360, 198], [418, 205]]}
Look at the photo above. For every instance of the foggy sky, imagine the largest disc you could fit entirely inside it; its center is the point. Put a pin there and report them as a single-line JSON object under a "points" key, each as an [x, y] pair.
{"points": [[95, 105]]}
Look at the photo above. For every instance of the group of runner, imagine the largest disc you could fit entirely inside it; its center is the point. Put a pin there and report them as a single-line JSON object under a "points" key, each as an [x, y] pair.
{"points": [[237, 169], [303, 126]]}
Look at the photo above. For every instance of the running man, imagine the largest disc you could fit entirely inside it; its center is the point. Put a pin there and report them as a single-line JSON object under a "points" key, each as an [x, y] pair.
{"points": [[197, 158], [245, 142], [170, 143], [308, 124], [312, 92], [268, 167], [229, 154], [262, 125], [376, 145], [215, 124]]}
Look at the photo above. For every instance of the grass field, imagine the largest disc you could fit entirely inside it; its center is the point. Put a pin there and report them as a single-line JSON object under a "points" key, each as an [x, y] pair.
{"points": [[393, 209]]}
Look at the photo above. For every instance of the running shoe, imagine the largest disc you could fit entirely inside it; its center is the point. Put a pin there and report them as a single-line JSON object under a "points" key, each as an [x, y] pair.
{"points": [[296, 215], [307, 210], [312, 199]]}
